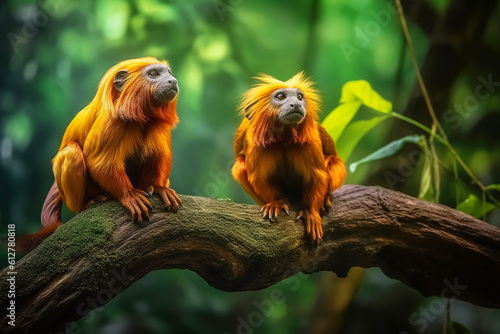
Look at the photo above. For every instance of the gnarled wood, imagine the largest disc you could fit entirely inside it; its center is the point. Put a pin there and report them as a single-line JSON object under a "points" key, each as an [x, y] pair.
{"points": [[432, 248]]}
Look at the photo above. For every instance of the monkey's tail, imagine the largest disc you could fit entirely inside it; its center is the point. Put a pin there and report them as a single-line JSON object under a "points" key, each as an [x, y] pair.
{"points": [[50, 218]]}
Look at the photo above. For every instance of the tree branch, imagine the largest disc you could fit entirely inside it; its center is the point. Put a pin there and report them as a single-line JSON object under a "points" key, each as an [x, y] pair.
{"points": [[86, 262]]}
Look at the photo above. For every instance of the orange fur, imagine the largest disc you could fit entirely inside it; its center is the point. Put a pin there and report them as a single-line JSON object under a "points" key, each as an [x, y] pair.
{"points": [[279, 164], [118, 146]]}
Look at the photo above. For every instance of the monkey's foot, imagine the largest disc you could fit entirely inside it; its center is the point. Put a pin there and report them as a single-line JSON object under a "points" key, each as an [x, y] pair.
{"points": [[313, 225], [137, 203], [272, 210], [328, 203], [168, 195], [98, 199]]}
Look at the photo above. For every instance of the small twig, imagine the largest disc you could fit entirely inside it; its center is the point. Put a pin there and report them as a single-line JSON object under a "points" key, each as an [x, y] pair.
{"points": [[435, 121]]}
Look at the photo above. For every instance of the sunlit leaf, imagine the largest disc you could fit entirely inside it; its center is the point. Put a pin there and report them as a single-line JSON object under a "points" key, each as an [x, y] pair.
{"points": [[474, 206], [353, 134], [354, 94], [385, 151], [361, 91], [339, 118], [427, 191]]}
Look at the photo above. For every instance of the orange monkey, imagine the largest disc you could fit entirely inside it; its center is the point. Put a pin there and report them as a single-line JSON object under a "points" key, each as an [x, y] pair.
{"points": [[284, 157], [118, 146]]}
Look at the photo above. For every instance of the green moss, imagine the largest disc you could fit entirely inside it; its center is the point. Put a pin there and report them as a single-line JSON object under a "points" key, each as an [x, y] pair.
{"points": [[79, 237], [103, 265]]}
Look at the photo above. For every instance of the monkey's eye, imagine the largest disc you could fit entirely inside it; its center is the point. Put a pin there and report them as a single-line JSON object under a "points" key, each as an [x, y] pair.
{"points": [[280, 96], [300, 97], [153, 74]]}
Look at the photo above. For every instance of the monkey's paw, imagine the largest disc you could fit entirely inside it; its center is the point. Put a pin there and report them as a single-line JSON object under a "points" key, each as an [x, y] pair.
{"points": [[272, 210], [98, 199], [137, 203], [327, 205], [169, 196], [313, 225]]}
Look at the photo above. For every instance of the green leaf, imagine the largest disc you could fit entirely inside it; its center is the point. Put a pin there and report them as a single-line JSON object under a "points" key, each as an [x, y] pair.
{"points": [[339, 118], [457, 328], [354, 94], [353, 134], [494, 187], [385, 151], [426, 186], [435, 172], [360, 90], [474, 207]]}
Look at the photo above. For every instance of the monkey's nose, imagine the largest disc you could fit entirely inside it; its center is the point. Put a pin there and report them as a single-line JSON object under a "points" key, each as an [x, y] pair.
{"points": [[172, 81]]}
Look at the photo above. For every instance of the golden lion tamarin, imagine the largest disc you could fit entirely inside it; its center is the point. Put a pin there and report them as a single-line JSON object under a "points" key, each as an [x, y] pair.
{"points": [[284, 157], [118, 146]]}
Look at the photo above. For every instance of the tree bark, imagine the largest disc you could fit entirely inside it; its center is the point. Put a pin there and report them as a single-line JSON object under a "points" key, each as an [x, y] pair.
{"points": [[100, 252]]}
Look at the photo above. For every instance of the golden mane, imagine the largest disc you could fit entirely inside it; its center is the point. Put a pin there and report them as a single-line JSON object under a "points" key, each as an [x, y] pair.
{"points": [[256, 106]]}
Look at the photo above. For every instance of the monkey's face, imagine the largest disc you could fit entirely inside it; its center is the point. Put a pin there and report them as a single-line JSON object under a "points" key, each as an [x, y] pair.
{"points": [[291, 103], [160, 76]]}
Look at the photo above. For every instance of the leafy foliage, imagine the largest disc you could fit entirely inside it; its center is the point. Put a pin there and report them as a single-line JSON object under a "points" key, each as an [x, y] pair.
{"points": [[340, 126], [386, 151], [338, 122]]}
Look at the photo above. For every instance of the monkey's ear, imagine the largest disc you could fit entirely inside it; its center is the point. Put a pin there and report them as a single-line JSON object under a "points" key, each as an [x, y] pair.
{"points": [[119, 79], [248, 111]]}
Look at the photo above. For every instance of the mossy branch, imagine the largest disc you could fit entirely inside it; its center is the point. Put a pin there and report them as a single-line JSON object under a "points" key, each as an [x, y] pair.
{"points": [[100, 252]]}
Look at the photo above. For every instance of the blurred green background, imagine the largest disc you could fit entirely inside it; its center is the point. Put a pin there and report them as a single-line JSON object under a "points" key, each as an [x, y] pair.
{"points": [[54, 52]]}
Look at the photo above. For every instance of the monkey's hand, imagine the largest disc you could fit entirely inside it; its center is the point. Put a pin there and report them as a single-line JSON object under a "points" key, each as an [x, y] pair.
{"points": [[328, 203], [137, 203], [312, 222], [273, 209], [168, 195]]}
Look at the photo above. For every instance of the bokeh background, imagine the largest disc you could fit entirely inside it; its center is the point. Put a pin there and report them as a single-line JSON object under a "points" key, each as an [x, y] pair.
{"points": [[54, 52]]}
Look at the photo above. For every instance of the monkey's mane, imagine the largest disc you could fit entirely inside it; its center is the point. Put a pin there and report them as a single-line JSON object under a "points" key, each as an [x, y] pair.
{"points": [[135, 102], [266, 130]]}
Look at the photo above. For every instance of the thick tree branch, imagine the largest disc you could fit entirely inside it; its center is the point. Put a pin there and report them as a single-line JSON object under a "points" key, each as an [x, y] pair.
{"points": [[432, 248]]}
